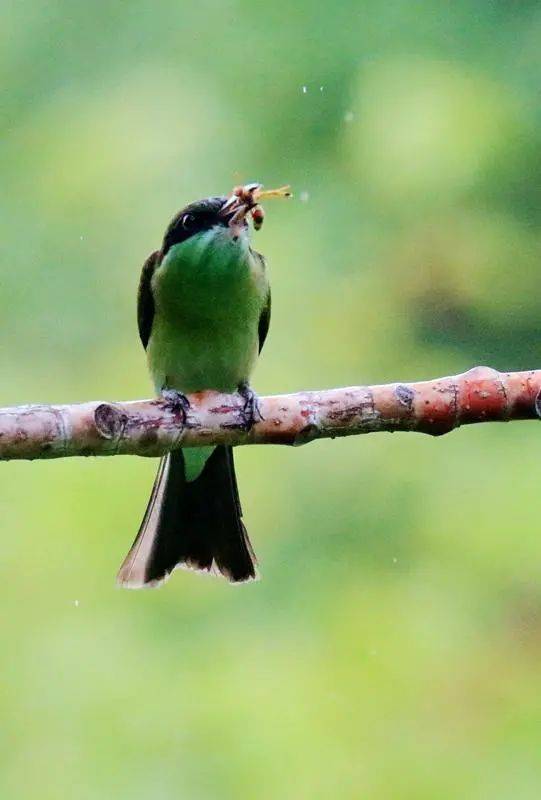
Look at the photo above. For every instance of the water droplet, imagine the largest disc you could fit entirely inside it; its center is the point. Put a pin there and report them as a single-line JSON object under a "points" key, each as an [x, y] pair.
{"points": [[349, 116], [304, 89], [76, 603]]}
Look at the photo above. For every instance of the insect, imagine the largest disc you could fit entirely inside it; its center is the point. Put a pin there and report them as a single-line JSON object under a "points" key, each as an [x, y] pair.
{"points": [[251, 194]]}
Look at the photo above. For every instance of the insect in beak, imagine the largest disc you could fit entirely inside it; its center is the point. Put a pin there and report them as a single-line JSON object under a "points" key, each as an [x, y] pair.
{"points": [[245, 200]]}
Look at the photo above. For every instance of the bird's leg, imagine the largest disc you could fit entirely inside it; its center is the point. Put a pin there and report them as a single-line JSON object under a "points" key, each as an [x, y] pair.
{"points": [[251, 410], [177, 402]]}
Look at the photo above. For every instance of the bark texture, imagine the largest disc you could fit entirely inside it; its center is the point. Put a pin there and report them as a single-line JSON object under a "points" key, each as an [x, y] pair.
{"points": [[153, 427]]}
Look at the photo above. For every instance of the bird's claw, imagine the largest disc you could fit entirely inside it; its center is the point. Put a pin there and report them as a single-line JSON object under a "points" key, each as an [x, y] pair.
{"points": [[251, 410], [177, 402]]}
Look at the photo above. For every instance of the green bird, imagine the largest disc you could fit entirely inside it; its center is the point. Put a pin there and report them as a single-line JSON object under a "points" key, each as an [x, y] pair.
{"points": [[203, 315]]}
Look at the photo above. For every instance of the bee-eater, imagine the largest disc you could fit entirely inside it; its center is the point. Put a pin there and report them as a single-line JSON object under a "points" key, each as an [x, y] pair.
{"points": [[203, 315]]}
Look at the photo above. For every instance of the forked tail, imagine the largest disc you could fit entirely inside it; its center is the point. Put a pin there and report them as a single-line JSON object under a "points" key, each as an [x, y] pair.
{"points": [[197, 524]]}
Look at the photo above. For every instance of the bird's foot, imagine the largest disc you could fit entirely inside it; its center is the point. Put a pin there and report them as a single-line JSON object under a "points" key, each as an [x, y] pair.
{"points": [[251, 410], [177, 402]]}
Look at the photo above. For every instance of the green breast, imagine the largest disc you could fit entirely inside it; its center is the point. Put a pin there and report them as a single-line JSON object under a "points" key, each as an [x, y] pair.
{"points": [[209, 293]]}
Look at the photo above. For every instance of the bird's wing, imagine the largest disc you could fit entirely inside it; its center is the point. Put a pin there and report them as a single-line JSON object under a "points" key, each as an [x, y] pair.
{"points": [[264, 321], [264, 318], [145, 300]]}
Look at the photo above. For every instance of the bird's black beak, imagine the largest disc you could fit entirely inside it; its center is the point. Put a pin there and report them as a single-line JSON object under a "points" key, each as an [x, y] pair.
{"points": [[245, 200], [241, 202]]}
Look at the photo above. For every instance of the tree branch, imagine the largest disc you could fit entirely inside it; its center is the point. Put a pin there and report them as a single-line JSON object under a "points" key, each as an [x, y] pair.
{"points": [[153, 427]]}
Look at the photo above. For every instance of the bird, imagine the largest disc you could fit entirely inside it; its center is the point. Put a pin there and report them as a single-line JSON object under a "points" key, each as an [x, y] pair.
{"points": [[203, 313]]}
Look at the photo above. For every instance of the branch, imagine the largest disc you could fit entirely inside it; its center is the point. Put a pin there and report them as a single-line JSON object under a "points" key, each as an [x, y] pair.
{"points": [[153, 427]]}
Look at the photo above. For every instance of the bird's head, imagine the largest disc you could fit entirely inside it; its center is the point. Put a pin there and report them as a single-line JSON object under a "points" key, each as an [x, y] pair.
{"points": [[229, 215]]}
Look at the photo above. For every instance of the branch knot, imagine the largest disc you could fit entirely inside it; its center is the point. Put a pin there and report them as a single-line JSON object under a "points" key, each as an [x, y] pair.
{"points": [[110, 421]]}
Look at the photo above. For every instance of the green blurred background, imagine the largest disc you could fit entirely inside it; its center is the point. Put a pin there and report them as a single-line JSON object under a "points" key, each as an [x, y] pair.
{"points": [[393, 647]]}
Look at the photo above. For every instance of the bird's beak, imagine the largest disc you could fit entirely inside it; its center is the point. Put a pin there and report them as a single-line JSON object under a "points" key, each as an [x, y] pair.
{"points": [[245, 200], [236, 207]]}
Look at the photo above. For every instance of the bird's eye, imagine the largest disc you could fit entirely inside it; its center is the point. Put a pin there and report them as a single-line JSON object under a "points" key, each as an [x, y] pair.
{"points": [[188, 222]]}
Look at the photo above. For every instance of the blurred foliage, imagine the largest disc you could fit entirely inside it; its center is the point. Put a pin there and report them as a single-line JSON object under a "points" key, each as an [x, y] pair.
{"points": [[392, 648]]}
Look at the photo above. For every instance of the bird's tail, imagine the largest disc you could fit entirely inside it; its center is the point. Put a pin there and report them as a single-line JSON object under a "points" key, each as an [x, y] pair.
{"points": [[196, 524]]}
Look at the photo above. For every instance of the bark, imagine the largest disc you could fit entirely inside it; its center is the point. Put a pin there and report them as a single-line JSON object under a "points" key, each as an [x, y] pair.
{"points": [[153, 427]]}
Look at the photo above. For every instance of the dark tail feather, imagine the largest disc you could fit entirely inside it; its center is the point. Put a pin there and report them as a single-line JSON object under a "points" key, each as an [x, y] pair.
{"points": [[192, 523]]}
